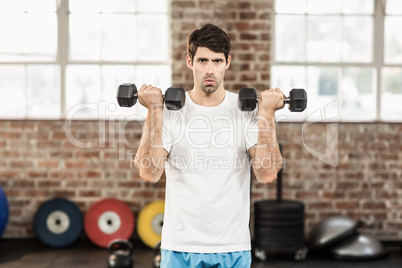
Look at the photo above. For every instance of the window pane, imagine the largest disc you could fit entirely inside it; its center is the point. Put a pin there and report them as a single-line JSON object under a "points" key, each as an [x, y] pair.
{"points": [[152, 39], [43, 91], [394, 7], [102, 6], [39, 5], [393, 40], [27, 5], [357, 39], [358, 94], [286, 78], [118, 36], [32, 37], [12, 90], [84, 6], [358, 6], [117, 5], [82, 91], [85, 37], [42, 33], [286, 48], [322, 89], [290, 6], [323, 43], [156, 75], [324, 7], [391, 97], [12, 6], [152, 6], [14, 45], [112, 77]]}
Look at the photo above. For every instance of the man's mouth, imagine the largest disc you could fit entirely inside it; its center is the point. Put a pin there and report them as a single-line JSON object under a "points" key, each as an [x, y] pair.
{"points": [[209, 82]]}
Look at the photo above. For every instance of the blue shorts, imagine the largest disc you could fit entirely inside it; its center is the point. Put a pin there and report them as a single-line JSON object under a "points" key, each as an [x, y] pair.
{"points": [[176, 259]]}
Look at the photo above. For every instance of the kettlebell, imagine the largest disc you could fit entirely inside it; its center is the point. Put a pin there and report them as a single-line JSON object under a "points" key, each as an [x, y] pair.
{"points": [[120, 254]]}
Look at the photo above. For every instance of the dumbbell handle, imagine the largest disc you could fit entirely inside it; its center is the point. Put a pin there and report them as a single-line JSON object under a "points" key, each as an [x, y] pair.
{"points": [[286, 100]]}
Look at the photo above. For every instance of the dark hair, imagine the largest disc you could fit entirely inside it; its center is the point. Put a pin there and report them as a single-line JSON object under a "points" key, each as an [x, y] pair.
{"points": [[211, 37]]}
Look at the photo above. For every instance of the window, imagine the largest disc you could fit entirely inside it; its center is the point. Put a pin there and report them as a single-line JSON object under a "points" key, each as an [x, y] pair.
{"points": [[66, 58], [347, 54], [29, 73]]}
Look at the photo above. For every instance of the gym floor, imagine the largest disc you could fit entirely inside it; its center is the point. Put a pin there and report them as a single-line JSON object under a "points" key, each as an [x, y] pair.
{"points": [[31, 253]]}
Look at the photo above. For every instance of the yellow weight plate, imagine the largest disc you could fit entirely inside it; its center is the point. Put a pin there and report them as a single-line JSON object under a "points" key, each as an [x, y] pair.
{"points": [[149, 223]]}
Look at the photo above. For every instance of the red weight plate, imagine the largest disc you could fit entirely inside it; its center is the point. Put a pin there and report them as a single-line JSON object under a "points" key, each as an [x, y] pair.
{"points": [[107, 220]]}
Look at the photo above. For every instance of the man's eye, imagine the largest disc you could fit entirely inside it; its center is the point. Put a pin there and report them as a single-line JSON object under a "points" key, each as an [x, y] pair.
{"points": [[202, 60]]}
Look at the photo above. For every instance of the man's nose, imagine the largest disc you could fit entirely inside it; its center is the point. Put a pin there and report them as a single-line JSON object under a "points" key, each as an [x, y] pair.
{"points": [[210, 68]]}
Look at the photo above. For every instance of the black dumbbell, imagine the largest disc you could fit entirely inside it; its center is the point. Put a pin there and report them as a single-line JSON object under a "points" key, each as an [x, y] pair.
{"points": [[120, 254], [297, 100], [174, 97]]}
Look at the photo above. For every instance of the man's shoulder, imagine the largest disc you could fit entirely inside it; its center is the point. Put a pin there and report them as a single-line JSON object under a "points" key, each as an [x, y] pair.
{"points": [[232, 96]]}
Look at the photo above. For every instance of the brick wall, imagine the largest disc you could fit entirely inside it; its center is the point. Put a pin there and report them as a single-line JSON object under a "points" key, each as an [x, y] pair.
{"points": [[248, 26], [38, 160]]}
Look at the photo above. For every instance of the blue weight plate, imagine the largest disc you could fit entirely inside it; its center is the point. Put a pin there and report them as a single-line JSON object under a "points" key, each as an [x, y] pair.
{"points": [[58, 223], [3, 211]]}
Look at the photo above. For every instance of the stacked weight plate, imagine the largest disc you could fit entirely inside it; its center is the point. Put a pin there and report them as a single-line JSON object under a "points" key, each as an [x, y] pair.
{"points": [[279, 226]]}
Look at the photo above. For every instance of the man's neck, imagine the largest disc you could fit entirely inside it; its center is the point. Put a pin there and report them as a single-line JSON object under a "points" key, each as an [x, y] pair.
{"points": [[208, 100]]}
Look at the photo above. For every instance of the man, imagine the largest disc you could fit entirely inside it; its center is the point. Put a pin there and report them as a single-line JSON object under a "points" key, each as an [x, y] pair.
{"points": [[206, 149]]}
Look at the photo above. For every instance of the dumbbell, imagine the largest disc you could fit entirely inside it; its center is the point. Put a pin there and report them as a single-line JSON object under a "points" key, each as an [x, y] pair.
{"points": [[120, 254], [297, 100], [174, 97]]}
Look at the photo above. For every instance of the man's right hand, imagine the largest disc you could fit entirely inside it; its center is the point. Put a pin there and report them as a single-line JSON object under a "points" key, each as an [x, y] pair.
{"points": [[150, 97]]}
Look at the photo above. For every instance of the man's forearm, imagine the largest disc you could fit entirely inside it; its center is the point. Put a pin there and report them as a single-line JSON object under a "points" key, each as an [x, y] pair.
{"points": [[150, 158], [267, 160]]}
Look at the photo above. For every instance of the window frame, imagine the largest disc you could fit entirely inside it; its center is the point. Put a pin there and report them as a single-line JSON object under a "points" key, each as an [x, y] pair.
{"points": [[63, 52], [62, 61], [377, 61]]}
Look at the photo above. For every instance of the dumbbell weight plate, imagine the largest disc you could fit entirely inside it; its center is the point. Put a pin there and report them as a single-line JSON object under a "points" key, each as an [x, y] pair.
{"points": [[3, 211], [58, 223], [150, 221], [107, 220], [297, 100], [247, 99], [127, 95], [175, 98]]}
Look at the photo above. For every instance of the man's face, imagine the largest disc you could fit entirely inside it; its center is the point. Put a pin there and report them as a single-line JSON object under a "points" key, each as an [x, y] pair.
{"points": [[208, 69]]}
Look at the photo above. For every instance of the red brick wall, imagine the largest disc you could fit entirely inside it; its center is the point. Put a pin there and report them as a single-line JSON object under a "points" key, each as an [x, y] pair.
{"points": [[38, 161], [248, 26]]}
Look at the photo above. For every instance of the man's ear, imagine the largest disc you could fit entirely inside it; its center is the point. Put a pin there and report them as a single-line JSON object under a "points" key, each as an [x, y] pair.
{"points": [[189, 62], [228, 62]]}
